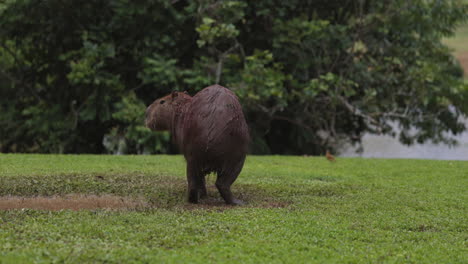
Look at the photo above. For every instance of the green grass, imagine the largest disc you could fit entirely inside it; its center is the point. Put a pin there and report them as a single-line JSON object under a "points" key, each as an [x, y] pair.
{"points": [[459, 46], [300, 210], [459, 42]]}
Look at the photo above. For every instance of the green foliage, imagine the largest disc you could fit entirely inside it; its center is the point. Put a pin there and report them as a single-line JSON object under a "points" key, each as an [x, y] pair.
{"points": [[310, 75], [210, 32], [262, 81], [217, 23], [131, 129], [300, 210]]}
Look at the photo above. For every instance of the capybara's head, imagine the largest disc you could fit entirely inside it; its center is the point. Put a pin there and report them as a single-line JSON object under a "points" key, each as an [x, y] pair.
{"points": [[159, 114]]}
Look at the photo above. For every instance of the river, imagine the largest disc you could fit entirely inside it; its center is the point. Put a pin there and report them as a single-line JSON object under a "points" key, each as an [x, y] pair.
{"points": [[376, 146]]}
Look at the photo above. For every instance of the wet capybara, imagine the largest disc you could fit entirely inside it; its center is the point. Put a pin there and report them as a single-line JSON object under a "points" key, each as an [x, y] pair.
{"points": [[210, 130]]}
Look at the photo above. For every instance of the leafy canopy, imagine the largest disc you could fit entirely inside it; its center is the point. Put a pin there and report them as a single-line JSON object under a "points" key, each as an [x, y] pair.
{"points": [[76, 77]]}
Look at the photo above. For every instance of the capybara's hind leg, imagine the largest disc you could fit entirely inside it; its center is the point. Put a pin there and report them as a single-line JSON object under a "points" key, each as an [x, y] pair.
{"points": [[224, 181], [226, 193]]}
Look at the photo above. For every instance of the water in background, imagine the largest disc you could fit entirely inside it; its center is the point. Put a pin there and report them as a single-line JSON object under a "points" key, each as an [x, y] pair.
{"points": [[387, 147]]}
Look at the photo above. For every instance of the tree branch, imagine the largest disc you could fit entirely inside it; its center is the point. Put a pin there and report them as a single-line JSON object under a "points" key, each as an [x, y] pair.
{"points": [[219, 69], [356, 111], [221, 57]]}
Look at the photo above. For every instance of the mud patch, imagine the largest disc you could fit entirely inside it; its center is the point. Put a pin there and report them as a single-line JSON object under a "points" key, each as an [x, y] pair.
{"points": [[423, 228], [73, 202], [218, 204], [253, 197], [78, 202]]}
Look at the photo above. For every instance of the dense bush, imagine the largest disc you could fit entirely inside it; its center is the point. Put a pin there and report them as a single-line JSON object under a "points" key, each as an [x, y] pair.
{"points": [[76, 76]]}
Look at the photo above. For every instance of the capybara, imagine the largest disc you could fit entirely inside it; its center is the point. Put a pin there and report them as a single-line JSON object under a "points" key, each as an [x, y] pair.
{"points": [[210, 130]]}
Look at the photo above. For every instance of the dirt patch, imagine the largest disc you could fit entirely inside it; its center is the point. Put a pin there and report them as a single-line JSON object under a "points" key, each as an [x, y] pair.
{"points": [[219, 205], [72, 202], [463, 59], [252, 198], [78, 202], [423, 228]]}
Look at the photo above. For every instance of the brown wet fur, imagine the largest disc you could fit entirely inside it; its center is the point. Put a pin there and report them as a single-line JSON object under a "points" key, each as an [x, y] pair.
{"points": [[210, 130], [73, 202]]}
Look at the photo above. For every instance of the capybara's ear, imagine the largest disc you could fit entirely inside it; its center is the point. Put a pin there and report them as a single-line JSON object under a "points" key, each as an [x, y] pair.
{"points": [[174, 94]]}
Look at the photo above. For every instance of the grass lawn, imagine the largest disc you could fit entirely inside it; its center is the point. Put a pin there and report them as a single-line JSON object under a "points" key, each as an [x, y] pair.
{"points": [[300, 210], [459, 45], [459, 42]]}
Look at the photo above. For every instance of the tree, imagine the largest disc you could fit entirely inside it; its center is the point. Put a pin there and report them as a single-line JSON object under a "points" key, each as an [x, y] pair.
{"points": [[310, 74]]}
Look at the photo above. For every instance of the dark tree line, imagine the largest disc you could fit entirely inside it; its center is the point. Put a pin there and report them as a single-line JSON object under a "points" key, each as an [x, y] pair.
{"points": [[76, 76]]}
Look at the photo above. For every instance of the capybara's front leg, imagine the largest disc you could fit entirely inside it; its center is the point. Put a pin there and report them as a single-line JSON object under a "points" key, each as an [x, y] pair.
{"points": [[192, 193], [202, 191], [194, 179]]}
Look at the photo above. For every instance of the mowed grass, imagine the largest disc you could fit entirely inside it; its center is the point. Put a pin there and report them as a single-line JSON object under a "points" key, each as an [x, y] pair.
{"points": [[459, 46], [300, 210], [459, 42]]}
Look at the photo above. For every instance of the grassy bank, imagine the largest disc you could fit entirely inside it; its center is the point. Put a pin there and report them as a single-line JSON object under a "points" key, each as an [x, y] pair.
{"points": [[459, 45], [300, 209]]}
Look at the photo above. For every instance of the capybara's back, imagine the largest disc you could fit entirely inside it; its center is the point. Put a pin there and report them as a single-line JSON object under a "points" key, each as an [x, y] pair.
{"points": [[216, 127]]}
